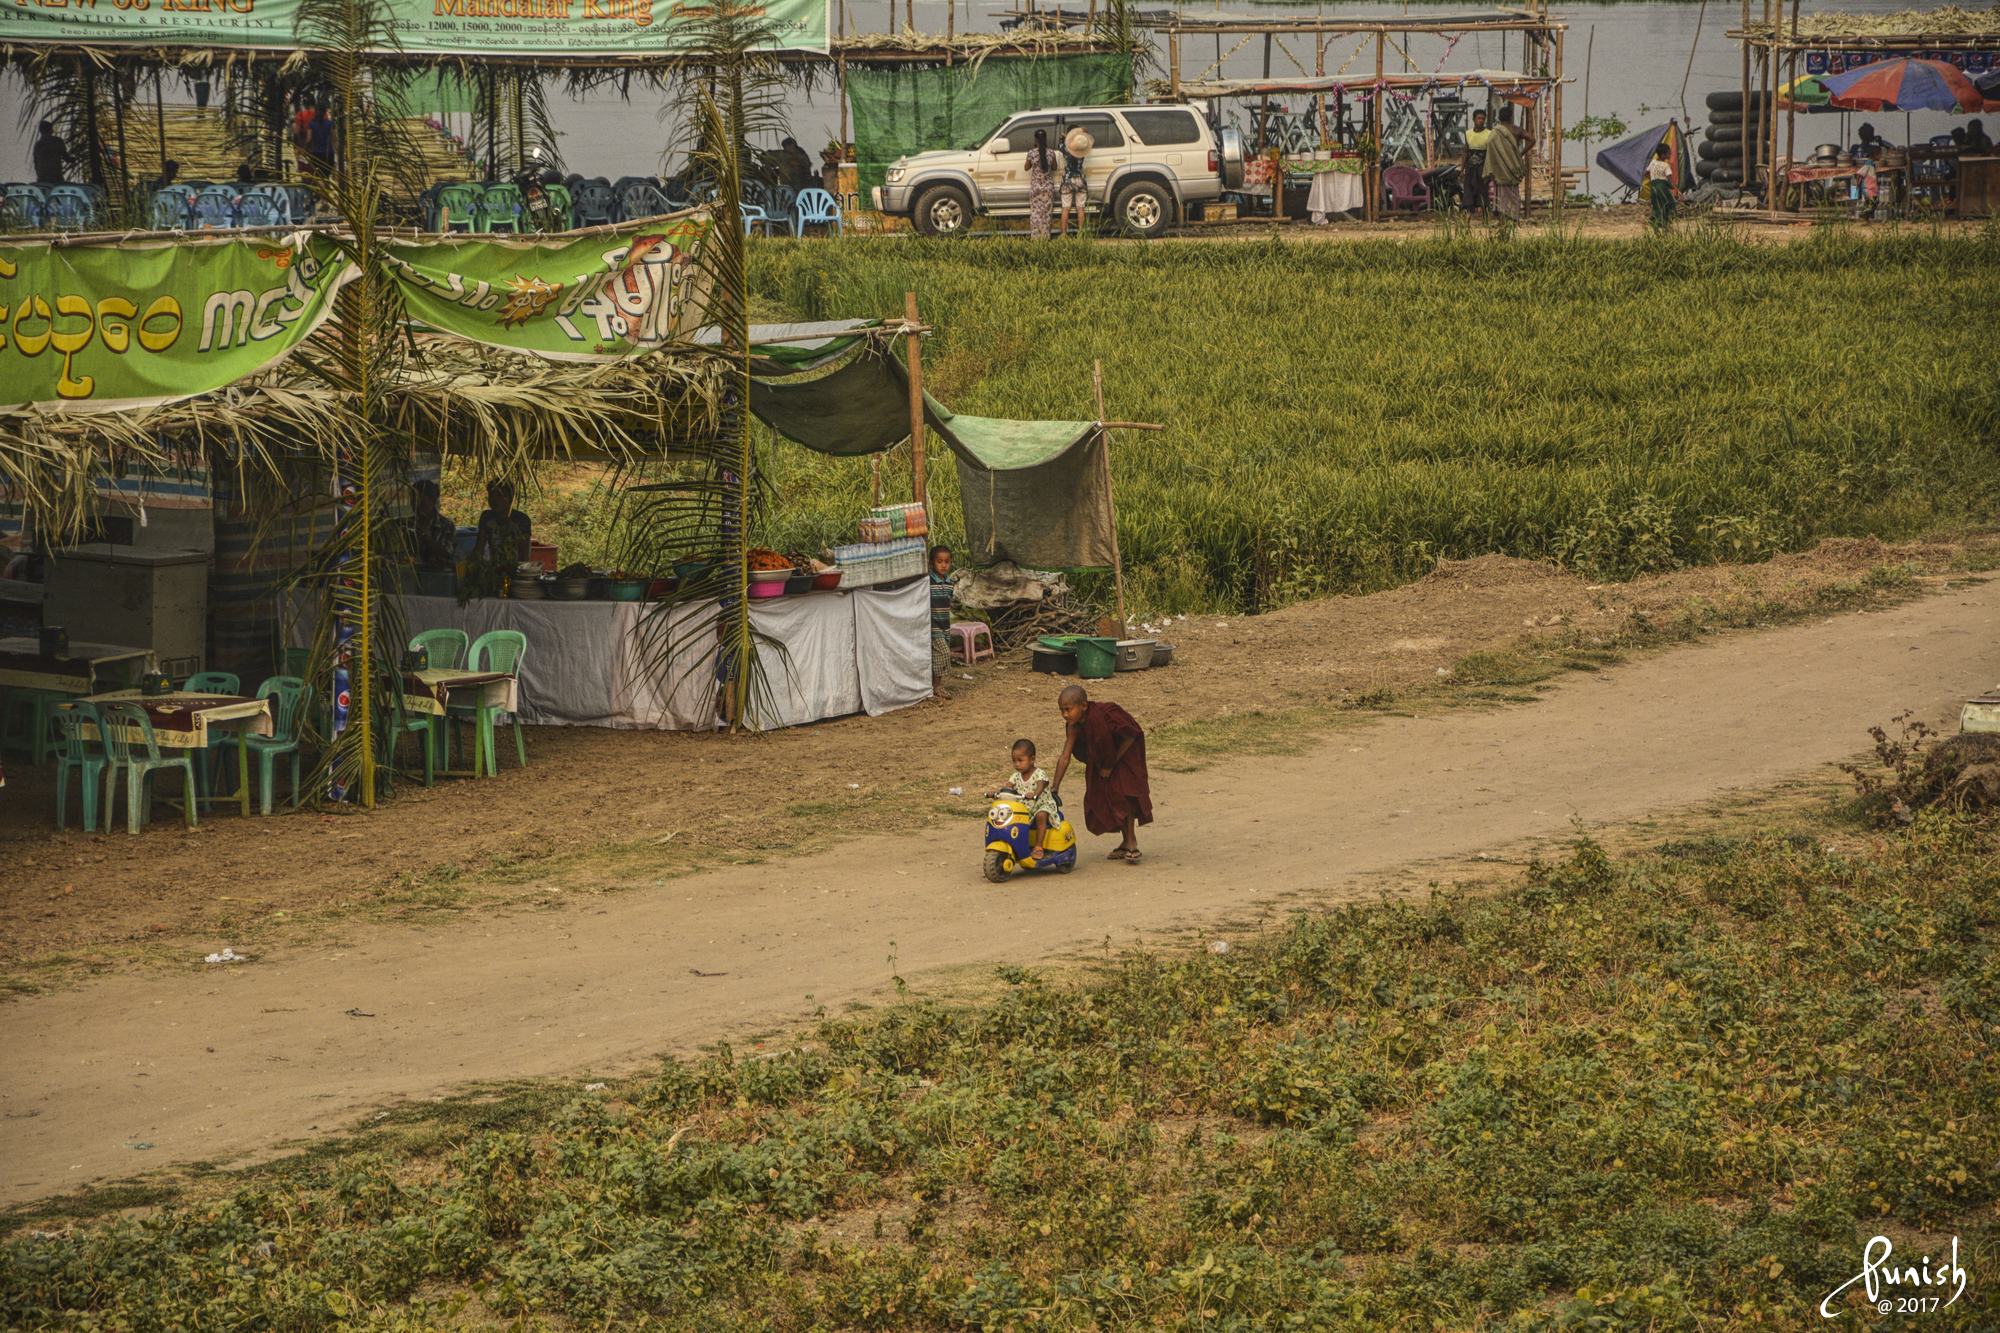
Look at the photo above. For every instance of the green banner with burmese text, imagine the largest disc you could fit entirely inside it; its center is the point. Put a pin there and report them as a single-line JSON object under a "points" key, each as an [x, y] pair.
{"points": [[99, 328], [545, 29]]}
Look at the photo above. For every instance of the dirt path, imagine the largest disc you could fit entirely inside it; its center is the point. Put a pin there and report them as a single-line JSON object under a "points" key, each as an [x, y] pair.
{"points": [[234, 1059]]}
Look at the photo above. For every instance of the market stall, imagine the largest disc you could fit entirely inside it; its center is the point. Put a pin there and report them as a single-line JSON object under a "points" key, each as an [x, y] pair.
{"points": [[587, 664]]}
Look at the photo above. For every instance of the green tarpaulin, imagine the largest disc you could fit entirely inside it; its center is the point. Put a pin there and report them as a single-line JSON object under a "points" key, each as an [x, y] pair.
{"points": [[902, 111], [1034, 492]]}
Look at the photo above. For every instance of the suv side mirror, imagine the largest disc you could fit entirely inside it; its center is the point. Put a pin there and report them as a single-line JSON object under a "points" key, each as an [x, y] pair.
{"points": [[998, 148]]}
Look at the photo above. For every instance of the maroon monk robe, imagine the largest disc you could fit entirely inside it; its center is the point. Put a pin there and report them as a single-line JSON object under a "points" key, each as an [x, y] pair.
{"points": [[1107, 801]]}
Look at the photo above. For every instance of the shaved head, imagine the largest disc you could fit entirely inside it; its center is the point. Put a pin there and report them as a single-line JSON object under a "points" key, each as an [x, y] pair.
{"points": [[1071, 696]]}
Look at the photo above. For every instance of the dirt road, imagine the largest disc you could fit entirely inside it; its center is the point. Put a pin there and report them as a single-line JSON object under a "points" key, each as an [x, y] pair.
{"points": [[234, 1059]]}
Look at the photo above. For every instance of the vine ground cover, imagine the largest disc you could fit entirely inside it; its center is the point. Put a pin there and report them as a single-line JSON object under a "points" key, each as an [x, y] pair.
{"points": [[1674, 1091]]}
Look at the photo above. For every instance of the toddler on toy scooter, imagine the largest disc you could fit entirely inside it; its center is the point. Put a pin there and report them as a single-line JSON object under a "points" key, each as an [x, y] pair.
{"points": [[1031, 786]]}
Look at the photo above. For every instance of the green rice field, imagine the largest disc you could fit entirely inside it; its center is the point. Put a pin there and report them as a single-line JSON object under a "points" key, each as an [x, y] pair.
{"points": [[1339, 416]]}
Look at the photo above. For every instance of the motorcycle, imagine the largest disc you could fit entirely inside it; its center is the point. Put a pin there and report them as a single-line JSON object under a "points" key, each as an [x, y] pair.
{"points": [[1010, 832]]}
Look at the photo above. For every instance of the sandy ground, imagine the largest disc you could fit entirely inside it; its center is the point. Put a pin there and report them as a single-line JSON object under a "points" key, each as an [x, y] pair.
{"points": [[598, 958]]}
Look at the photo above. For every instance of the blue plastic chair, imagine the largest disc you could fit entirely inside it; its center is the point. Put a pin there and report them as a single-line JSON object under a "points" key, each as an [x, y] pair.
{"points": [[261, 208], [499, 208], [754, 217], [499, 650], [171, 206], [817, 208], [214, 209], [640, 198], [76, 753], [289, 702], [301, 204], [70, 207], [117, 719], [592, 204], [23, 207], [211, 682]]}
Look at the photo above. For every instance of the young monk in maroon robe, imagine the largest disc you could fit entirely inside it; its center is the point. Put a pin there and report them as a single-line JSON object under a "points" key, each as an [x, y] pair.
{"points": [[1117, 796]]}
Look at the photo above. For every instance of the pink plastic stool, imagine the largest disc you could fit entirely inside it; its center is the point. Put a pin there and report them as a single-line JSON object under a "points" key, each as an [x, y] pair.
{"points": [[965, 635]]}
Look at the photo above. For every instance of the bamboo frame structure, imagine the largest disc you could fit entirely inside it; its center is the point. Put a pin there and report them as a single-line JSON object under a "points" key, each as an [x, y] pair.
{"points": [[1320, 27], [1774, 37]]}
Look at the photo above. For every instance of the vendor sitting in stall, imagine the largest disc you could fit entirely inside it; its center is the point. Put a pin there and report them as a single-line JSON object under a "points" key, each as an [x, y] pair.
{"points": [[1873, 145], [433, 537], [500, 524]]}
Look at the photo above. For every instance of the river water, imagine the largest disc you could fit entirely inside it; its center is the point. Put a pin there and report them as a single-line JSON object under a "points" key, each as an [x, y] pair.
{"points": [[1642, 61]]}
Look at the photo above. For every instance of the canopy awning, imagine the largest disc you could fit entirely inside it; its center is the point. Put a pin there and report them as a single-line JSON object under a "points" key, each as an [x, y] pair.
{"points": [[1034, 492], [1496, 79], [788, 349]]}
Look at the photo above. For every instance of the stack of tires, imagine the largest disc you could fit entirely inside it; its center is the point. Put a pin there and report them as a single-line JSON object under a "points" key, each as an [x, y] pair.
{"points": [[1729, 145]]}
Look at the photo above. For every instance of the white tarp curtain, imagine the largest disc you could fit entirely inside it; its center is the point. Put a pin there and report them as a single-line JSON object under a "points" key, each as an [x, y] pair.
{"points": [[860, 651]]}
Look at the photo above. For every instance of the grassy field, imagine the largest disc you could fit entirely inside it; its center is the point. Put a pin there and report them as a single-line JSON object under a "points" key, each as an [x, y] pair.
{"points": [[1673, 1092], [1338, 416]]}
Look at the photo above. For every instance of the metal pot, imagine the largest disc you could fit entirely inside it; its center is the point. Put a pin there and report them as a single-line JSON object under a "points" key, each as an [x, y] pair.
{"points": [[1826, 152]]}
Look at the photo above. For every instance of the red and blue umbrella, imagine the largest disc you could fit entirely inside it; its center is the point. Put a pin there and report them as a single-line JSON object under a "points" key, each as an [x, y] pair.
{"points": [[1904, 85]]}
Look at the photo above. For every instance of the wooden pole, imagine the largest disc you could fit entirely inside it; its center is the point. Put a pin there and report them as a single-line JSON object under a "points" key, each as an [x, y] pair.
{"points": [[1174, 59], [840, 70], [1110, 498], [913, 351]]}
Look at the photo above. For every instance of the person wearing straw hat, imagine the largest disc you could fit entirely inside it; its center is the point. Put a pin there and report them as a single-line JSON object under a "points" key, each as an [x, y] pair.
{"points": [[1075, 190]]}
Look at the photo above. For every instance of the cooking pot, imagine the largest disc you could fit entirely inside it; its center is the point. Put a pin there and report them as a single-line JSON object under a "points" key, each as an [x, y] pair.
{"points": [[1826, 152]]}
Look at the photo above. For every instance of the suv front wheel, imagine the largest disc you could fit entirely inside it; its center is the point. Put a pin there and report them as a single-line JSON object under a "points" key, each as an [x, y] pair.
{"points": [[1144, 210], [942, 210]]}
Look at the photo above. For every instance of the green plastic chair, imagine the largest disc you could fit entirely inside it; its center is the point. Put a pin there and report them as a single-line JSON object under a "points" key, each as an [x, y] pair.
{"points": [[457, 207], [400, 724], [499, 650], [210, 682], [24, 722], [116, 720], [289, 698], [446, 649], [74, 751]]}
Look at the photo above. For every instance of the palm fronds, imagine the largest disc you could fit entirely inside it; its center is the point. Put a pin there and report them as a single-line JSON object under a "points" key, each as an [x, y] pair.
{"points": [[698, 516]]}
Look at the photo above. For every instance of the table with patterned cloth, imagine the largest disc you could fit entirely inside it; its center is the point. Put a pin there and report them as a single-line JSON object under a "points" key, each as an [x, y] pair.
{"points": [[428, 693], [182, 721]]}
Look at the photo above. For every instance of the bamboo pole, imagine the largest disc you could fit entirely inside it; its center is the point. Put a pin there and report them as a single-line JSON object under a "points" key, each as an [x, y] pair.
{"points": [[1791, 103], [124, 155], [1557, 191], [1375, 114], [1110, 498], [160, 115], [913, 350]]}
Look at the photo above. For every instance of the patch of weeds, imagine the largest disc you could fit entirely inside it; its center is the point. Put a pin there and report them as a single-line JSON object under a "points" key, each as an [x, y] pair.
{"points": [[1505, 667], [90, 1202], [1188, 747]]}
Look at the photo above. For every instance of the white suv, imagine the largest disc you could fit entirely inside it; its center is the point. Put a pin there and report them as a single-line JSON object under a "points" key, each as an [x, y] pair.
{"points": [[1149, 162]]}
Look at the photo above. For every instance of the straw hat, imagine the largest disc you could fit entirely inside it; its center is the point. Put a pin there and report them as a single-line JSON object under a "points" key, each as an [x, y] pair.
{"points": [[1079, 142]]}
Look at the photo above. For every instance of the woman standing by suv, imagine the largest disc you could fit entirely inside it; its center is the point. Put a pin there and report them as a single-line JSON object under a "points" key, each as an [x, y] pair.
{"points": [[1042, 167]]}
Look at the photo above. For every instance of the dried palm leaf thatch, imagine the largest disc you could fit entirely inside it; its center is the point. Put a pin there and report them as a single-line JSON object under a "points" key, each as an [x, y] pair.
{"points": [[1947, 21], [973, 48]]}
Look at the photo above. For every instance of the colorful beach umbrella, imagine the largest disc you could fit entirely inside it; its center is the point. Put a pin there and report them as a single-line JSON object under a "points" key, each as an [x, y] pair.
{"points": [[1904, 85], [1809, 91]]}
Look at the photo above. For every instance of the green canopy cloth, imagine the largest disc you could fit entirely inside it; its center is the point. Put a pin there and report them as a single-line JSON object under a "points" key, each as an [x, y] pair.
{"points": [[1034, 492], [910, 110]]}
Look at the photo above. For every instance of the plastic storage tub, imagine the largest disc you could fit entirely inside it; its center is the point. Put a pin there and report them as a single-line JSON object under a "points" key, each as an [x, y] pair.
{"points": [[1163, 654]]}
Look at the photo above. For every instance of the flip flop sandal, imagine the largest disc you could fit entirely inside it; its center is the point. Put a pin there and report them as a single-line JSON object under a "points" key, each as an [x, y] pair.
{"points": [[1131, 857], [1117, 854]]}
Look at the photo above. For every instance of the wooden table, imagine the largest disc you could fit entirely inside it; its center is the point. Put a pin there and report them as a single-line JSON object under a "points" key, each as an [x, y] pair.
{"points": [[24, 667], [429, 693], [181, 721]]}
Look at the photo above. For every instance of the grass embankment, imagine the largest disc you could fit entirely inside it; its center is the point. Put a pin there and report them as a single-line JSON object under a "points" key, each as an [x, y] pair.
{"points": [[1338, 416], [1674, 1092]]}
